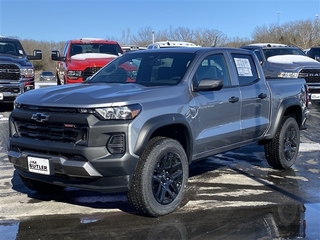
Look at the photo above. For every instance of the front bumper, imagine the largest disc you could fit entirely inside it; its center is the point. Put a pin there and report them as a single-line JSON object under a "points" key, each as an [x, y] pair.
{"points": [[9, 92], [89, 159], [83, 175], [314, 93]]}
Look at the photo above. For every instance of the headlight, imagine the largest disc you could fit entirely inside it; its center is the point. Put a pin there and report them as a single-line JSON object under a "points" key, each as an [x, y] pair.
{"points": [[16, 105], [27, 72], [74, 74], [288, 74], [115, 113]]}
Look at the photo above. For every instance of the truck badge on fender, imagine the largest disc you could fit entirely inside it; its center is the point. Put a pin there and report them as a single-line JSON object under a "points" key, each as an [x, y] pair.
{"points": [[40, 117]]}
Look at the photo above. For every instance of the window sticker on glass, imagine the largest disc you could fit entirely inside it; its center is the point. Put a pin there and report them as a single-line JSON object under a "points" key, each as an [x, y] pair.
{"points": [[243, 67]]}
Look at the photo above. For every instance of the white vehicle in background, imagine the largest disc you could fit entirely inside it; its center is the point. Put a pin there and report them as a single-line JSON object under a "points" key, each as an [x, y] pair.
{"points": [[127, 48], [166, 44]]}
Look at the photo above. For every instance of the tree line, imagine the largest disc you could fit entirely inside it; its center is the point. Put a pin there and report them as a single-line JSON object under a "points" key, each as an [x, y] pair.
{"points": [[301, 33]]}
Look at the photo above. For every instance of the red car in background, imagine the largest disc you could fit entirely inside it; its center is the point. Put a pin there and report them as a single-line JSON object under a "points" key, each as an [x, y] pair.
{"points": [[81, 58]]}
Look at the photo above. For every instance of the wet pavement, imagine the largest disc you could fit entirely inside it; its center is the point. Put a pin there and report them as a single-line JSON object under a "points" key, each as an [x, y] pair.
{"points": [[234, 195]]}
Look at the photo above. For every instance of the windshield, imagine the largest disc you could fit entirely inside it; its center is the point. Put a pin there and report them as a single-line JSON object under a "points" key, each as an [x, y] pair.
{"points": [[11, 48], [114, 49], [269, 52], [148, 69], [47, 73]]}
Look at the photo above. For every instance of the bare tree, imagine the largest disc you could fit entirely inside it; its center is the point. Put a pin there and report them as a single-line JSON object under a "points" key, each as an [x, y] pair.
{"points": [[125, 38], [237, 42], [143, 37]]}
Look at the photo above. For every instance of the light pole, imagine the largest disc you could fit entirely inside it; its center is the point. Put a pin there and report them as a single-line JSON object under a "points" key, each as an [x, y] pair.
{"points": [[152, 36], [278, 12]]}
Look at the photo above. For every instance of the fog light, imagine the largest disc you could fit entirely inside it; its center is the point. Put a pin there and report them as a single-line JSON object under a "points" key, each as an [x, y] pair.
{"points": [[116, 144]]}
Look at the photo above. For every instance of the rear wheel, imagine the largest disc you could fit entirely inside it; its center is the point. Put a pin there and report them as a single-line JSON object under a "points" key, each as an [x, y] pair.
{"points": [[282, 151], [41, 187], [160, 180]]}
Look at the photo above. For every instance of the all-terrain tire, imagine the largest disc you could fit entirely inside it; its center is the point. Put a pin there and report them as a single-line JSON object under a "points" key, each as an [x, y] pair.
{"points": [[282, 151], [160, 180], [41, 187]]}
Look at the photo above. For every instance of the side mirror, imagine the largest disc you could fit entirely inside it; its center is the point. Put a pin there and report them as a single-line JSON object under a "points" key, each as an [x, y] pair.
{"points": [[317, 58], [209, 85], [37, 55], [55, 56]]}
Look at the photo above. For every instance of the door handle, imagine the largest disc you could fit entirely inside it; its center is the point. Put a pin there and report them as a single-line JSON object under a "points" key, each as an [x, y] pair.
{"points": [[233, 99], [262, 95]]}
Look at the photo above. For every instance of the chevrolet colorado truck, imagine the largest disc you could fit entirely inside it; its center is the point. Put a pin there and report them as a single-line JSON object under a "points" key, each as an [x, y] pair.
{"points": [[283, 61], [109, 134], [16, 71], [83, 57]]}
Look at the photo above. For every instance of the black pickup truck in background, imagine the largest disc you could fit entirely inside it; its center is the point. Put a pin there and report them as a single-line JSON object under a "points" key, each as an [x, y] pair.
{"points": [[283, 61], [16, 71]]}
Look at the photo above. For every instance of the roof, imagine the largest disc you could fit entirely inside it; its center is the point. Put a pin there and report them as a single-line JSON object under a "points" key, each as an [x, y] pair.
{"points": [[187, 50], [8, 38], [267, 45], [163, 44], [92, 40]]}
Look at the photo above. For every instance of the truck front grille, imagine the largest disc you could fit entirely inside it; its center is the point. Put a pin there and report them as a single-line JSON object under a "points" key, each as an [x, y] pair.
{"points": [[88, 72], [11, 89], [314, 90], [310, 75], [55, 132], [9, 72]]}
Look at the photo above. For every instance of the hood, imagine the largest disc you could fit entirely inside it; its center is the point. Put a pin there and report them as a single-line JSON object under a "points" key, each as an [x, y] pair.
{"points": [[95, 95], [90, 59], [20, 60], [297, 60]]}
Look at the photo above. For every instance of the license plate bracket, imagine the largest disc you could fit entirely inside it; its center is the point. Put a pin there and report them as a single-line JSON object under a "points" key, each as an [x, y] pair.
{"points": [[38, 165], [315, 96]]}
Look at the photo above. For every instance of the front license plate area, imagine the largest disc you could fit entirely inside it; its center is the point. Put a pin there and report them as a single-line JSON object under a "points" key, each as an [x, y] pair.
{"points": [[38, 165], [315, 96]]}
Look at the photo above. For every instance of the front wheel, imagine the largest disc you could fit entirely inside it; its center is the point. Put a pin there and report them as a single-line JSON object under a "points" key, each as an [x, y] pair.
{"points": [[160, 179], [282, 151]]}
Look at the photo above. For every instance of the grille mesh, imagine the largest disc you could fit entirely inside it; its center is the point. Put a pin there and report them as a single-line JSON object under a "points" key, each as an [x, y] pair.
{"points": [[88, 72], [55, 132], [313, 75], [9, 72]]}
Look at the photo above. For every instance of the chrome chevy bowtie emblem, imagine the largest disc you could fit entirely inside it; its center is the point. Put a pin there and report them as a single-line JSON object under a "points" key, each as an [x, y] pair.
{"points": [[40, 117]]}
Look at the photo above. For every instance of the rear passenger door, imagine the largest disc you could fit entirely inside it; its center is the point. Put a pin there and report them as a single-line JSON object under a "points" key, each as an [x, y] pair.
{"points": [[215, 114], [255, 95]]}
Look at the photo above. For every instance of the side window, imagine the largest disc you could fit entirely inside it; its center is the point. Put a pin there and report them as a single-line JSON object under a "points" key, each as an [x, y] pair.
{"points": [[65, 50], [258, 54], [246, 69], [214, 67]]}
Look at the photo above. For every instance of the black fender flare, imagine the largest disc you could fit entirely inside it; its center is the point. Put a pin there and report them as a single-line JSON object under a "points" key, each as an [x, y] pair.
{"points": [[293, 103], [150, 126]]}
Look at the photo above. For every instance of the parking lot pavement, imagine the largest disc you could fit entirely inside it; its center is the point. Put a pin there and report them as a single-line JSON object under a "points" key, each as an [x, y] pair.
{"points": [[235, 194]]}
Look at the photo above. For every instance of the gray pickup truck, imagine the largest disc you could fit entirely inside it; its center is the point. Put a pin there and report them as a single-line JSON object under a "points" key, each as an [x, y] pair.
{"points": [[137, 124]]}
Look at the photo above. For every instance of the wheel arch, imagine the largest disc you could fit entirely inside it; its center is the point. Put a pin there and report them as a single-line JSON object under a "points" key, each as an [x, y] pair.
{"points": [[289, 107], [174, 126]]}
